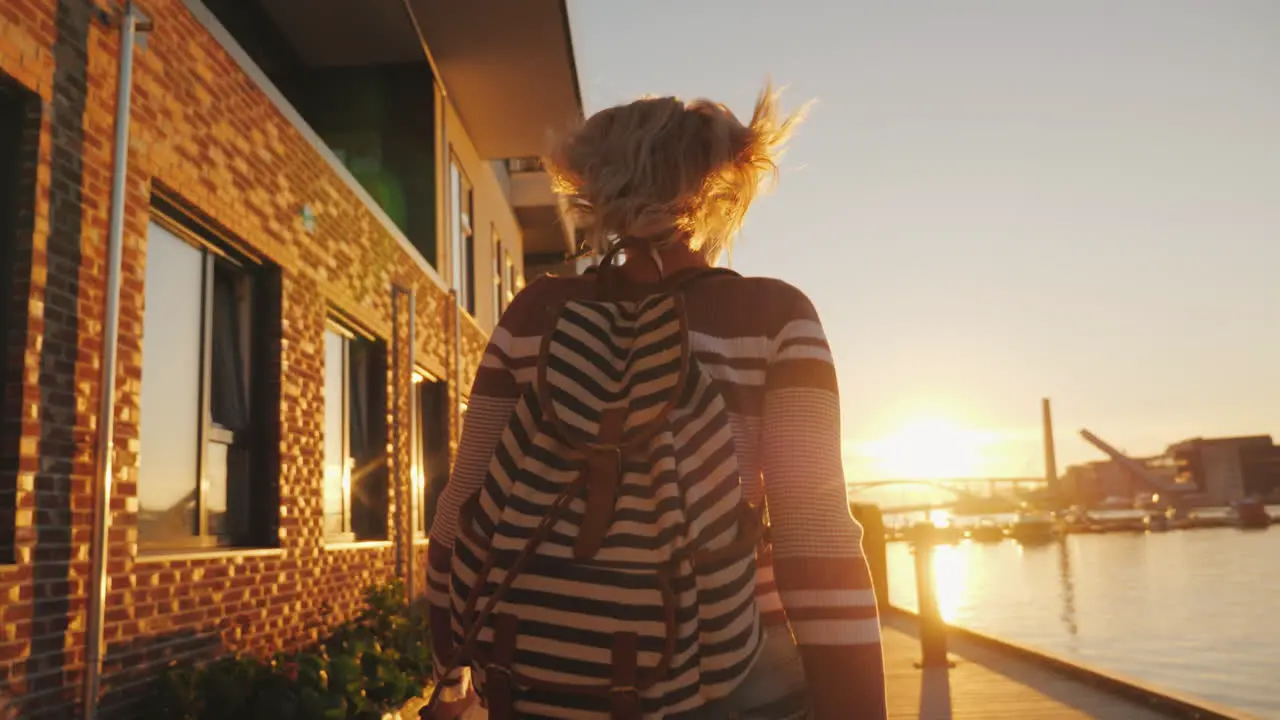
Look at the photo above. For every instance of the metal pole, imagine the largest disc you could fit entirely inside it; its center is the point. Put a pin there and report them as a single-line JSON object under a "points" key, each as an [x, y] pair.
{"points": [[130, 20], [426, 51], [396, 380], [416, 429], [457, 356], [407, 507]]}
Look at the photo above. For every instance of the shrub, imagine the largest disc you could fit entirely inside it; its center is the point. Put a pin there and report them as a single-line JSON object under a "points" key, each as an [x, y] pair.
{"points": [[366, 667]]}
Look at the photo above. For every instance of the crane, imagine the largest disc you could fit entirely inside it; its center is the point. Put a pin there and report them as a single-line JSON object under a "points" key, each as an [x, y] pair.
{"points": [[1169, 491]]}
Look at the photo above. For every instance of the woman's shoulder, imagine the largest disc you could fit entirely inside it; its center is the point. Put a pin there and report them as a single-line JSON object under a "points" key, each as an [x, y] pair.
{"points": [[769, 303], [755, 305], [531, 308]]}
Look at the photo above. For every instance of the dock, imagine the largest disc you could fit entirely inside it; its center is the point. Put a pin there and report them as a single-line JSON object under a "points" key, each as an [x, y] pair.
{"points": [[985, 682]]}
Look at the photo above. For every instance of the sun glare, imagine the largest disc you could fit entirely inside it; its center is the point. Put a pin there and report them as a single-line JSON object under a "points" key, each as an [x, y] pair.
{"points": [[927, 449], [940, 518]]}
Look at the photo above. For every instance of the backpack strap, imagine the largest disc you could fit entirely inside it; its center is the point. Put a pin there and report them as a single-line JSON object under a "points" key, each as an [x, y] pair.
{"points": [[611, 286], [474, 621], [603, 474], [498, 679], [624, 691]]}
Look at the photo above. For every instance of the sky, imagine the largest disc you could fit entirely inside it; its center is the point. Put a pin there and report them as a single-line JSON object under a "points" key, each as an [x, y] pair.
{"points": [[993, 202]]}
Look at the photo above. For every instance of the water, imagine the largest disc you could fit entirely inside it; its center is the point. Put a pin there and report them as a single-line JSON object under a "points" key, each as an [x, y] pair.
{"points": [[1197, 611]]}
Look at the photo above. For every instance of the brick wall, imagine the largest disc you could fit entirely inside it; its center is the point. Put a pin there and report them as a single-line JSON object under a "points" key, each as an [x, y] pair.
{"points": [[203, 131]]}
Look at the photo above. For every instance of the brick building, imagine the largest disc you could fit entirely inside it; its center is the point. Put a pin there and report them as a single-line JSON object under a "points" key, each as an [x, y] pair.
{"points": [[297, 171]]}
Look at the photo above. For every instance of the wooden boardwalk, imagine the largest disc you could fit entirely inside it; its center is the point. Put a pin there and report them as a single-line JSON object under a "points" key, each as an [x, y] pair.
{"points": [[988, 685], [984, 684]]}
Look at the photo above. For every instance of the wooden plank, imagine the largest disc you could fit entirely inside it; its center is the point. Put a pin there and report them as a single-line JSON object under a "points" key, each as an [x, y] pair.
{"points": [[984, 685]]}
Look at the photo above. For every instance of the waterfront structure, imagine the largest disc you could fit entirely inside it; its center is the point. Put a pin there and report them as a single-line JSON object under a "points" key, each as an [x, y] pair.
{"points": [[309, 187], [1100, 482], [1203, 471], [1230, 469]]}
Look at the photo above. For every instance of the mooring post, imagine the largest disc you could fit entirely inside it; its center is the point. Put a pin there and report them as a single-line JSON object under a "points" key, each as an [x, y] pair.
{"points": [[933, 631], [874, 549]]}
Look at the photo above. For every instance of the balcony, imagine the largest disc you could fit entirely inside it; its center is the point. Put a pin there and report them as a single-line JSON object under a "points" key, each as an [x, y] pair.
{"points": [[549, 235], [359, 81], [358, 74]]}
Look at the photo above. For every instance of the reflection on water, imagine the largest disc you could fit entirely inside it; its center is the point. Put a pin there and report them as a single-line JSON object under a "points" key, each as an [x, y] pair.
{"points": [[950, 568], [1193, 610], [1068, 615]]}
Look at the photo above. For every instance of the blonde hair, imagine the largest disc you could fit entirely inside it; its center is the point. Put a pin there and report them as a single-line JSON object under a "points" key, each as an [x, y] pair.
{"points": [[663, 169]]}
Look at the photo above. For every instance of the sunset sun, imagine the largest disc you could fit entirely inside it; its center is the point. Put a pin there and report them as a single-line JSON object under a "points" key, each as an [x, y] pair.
{"points": [[927, 449]]}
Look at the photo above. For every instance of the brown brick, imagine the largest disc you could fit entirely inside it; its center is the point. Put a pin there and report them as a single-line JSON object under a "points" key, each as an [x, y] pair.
{"points": [[200, 129]]}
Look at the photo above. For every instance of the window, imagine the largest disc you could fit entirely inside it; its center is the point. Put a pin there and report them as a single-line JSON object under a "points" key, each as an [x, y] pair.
{"points": [[430, 445], [201, 426], [355, 436], [499, 276], [462, 247], [19, 147], [511, 284]]}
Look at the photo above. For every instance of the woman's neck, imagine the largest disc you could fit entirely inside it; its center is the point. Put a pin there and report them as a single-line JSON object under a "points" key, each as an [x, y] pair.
{"points": [[674, 258]]}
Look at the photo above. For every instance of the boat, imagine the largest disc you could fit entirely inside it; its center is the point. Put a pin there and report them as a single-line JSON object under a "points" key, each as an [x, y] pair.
{"points": [[933, 534], [1250, 513], [947, 534], [1156, 522], [1032, 528], [986, 531]]}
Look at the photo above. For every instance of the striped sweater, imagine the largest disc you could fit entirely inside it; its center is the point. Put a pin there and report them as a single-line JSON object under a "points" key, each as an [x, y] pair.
{"points": [[762, 340]]}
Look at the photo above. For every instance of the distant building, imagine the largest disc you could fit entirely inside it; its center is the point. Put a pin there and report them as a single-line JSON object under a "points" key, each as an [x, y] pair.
{"points": [[1092, 484], [1228, 469]]}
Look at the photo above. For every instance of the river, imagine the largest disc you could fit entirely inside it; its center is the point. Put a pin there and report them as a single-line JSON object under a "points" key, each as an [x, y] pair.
{"points": [[1193, 610]]}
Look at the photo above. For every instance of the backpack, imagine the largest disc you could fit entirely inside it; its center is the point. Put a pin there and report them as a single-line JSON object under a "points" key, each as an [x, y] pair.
{"points": [[607, 566]]}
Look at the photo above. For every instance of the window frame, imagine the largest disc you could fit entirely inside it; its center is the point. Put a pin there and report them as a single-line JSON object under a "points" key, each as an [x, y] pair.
{"points": [[512, 283], [499, 273], [345, 534], [217, 247], [462, 234], [429, 446], [350, 332]]}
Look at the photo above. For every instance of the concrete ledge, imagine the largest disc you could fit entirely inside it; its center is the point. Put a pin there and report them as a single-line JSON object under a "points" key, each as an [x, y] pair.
{"points": [[1175, 704]]}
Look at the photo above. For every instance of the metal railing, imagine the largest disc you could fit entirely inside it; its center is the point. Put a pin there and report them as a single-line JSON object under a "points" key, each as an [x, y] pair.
{"points": [[525, 165]]}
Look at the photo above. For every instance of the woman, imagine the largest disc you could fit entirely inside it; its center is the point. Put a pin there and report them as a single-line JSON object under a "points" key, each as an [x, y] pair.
{"points": [[676, 179]]}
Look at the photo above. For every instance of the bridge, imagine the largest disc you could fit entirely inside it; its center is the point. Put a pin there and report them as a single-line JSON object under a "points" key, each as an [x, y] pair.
{"points": [[955, 495]]}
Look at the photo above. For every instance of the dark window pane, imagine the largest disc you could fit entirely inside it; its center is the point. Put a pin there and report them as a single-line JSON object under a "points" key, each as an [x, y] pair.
{"points": [[417, 476], [229, 402], [170, 412], [228, 462], [358, 389], [433, 431], [499, 277], [468, 249], [367, 427], [335, 431]]}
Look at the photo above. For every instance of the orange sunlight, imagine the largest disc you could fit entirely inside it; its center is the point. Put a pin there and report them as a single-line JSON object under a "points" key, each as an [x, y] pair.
{"points": [[927, 449]]}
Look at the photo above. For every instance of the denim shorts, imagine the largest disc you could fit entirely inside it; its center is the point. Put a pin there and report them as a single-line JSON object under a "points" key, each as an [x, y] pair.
{"points": [[775, 689]]}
